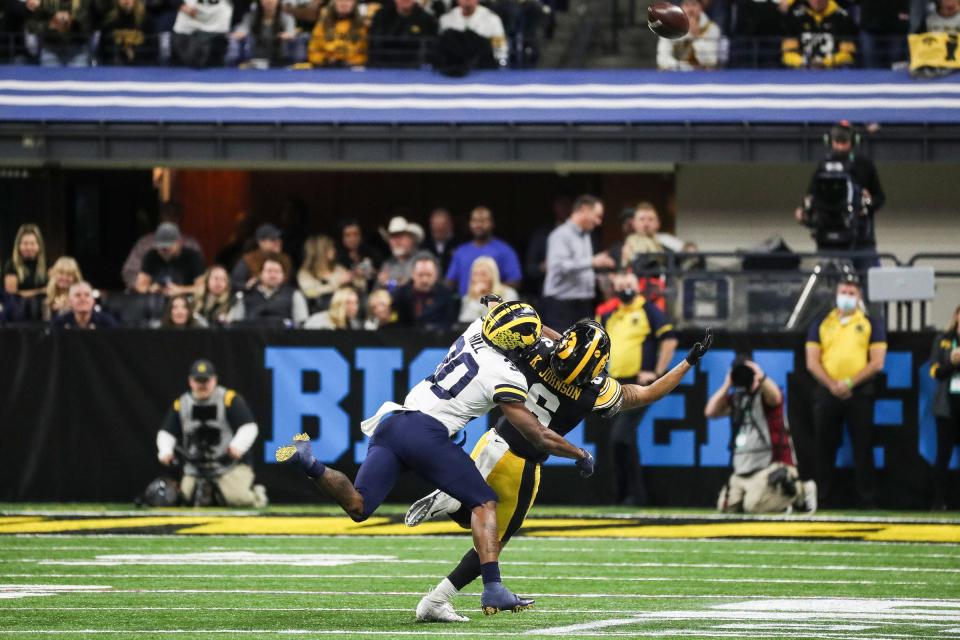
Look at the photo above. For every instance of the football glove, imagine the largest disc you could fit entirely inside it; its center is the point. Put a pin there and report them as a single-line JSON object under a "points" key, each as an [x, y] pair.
{"points": [[697, 350], [586, 464]]}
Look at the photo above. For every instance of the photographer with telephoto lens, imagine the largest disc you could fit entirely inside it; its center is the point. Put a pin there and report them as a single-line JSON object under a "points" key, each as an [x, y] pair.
{"points": [[765, 478], [843, 196], [212, 429]]}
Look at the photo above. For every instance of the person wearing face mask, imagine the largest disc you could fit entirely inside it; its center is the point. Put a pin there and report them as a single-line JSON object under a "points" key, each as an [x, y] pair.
{"points": [[844, 351], [642, 346]]}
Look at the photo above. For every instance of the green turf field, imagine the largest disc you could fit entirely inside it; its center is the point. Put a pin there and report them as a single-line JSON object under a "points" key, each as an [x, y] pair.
{"points": [[148, 579]]}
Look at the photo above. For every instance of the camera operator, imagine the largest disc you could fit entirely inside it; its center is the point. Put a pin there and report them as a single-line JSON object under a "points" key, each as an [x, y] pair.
{"points": [[215, 429], [843, 196], [765, 478]]}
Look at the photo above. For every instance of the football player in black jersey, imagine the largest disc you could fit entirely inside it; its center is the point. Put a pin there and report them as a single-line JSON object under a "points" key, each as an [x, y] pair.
{"points": [[567, 381]]}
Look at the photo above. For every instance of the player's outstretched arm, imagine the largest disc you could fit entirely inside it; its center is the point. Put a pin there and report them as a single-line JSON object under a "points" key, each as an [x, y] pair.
{"points": [[635, 396], [542, 438]]}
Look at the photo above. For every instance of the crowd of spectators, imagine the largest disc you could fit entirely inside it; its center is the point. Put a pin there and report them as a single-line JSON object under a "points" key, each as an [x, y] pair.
{"points": [[818, 34], [402, 276], [456, 35]]}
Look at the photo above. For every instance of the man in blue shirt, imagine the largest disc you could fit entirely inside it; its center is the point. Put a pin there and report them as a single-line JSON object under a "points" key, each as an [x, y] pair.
{"points": [[483, 244]]}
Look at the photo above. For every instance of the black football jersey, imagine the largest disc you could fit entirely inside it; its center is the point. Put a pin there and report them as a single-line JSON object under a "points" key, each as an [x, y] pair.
{"points": [[557, 405]]}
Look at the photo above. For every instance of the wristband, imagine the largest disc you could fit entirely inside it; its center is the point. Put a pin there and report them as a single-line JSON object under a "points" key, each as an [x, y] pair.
{"points": [[848, 382]]}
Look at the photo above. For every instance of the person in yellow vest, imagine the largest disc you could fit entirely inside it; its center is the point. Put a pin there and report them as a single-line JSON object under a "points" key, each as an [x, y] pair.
{"points": [[642, 346], [845, 351]]}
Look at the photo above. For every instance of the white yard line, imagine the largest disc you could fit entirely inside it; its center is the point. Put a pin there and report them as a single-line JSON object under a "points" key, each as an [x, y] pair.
{"points": [[430, 576], [431, 631]]}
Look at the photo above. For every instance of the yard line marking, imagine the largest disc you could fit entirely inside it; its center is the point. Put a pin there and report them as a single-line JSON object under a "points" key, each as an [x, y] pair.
{"points": [[430, 576], [433, 632]]}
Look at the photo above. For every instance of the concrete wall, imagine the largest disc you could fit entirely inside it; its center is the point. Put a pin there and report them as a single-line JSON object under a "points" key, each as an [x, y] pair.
{"points": [[724, 208]]}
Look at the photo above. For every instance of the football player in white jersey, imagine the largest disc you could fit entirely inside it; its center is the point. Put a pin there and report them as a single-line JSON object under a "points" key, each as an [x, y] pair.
{"points": [[475, 376]]}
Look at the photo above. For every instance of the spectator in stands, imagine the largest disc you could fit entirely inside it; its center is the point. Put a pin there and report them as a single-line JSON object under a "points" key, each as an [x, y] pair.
{"points": [[945, 369], [764, 478], [83, 314], [642, 346], [399, 33], [570, 284], [200, 33], [691, 259], [269, 242], [340, 36], [759, 29], [64, 273], [9, 308], [356, 255], [270, 301], [440, 241], [344, 312], [178, 315], [626, 228], [535, 261], [266, 33], [845, 351], [945, 18], [170, 268], [380, 311], [127, 36], [404, 239], [883, 32], [25, 273], [643, 241], [214, 422], [471, 16], [484, 280], [425, 302], [483, 244], [16, 20], [214, 298], [320, 274], [701, 48], [163, 14], [819, 34], [169, 212], [64, 28]]}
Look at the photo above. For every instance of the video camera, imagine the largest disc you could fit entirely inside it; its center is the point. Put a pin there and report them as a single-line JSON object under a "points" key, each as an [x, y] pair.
{"points": [[741, 375], [833, 210]]}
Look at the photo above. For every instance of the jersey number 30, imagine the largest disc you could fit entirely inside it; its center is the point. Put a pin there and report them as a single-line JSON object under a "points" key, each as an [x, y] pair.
{"points": [[455, 358]]}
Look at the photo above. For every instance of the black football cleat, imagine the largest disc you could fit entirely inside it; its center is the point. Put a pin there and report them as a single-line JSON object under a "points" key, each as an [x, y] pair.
{"points": [[497, 598]]}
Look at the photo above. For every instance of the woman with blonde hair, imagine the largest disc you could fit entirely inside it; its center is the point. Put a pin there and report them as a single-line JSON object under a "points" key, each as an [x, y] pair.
{"points": [[344, 312], [25, 273], [380, 311], [64, 273], [321, 274], [484, 279], [214, 298]]}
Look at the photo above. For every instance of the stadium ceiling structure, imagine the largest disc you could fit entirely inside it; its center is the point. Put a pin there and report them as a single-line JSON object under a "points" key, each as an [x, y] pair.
{"points": [[537, 120]]}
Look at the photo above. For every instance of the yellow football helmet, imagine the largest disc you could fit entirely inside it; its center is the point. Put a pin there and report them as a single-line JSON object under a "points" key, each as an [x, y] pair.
{"points": [[512, 327]]}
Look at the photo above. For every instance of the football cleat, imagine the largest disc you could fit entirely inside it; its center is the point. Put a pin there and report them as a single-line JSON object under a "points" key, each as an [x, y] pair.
{"points": [[430, 507], [300, 453], [497, 598], [431, 610]]}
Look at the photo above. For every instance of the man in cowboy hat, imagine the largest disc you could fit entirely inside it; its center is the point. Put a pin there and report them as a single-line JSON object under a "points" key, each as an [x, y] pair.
{"points": [[404, 238]]}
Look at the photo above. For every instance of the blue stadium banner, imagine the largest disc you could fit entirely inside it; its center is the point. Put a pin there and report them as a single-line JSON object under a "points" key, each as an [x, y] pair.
{"points": [[88, 405]]}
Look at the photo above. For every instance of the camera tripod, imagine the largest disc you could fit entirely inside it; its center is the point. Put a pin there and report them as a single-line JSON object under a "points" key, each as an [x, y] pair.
{"points": [[830, 271]]}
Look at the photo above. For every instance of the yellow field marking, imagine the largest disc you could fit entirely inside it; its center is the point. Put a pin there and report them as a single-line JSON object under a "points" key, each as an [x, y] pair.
{"points": [[217, 524], [93, 524]]}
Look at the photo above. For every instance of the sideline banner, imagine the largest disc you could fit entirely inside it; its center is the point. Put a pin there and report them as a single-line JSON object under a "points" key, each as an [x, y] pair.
{"points": [[80, 410]]}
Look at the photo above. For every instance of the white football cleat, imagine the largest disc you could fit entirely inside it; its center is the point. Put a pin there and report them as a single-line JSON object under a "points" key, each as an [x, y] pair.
{"points": [[430, 610], [430, 507]]}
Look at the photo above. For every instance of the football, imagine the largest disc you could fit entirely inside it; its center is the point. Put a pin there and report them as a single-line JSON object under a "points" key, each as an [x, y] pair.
{"points": [[667, 20]]}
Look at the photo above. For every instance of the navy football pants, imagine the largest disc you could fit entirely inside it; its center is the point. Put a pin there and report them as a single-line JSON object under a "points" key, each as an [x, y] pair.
{"points": [[414, 441]]}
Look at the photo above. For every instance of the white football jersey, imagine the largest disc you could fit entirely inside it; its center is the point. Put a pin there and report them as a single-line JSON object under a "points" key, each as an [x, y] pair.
{"points": [[468, 382]]}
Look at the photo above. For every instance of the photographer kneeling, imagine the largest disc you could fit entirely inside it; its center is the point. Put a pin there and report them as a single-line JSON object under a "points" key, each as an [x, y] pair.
{"points": [[765, 478], [212, 429]]}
